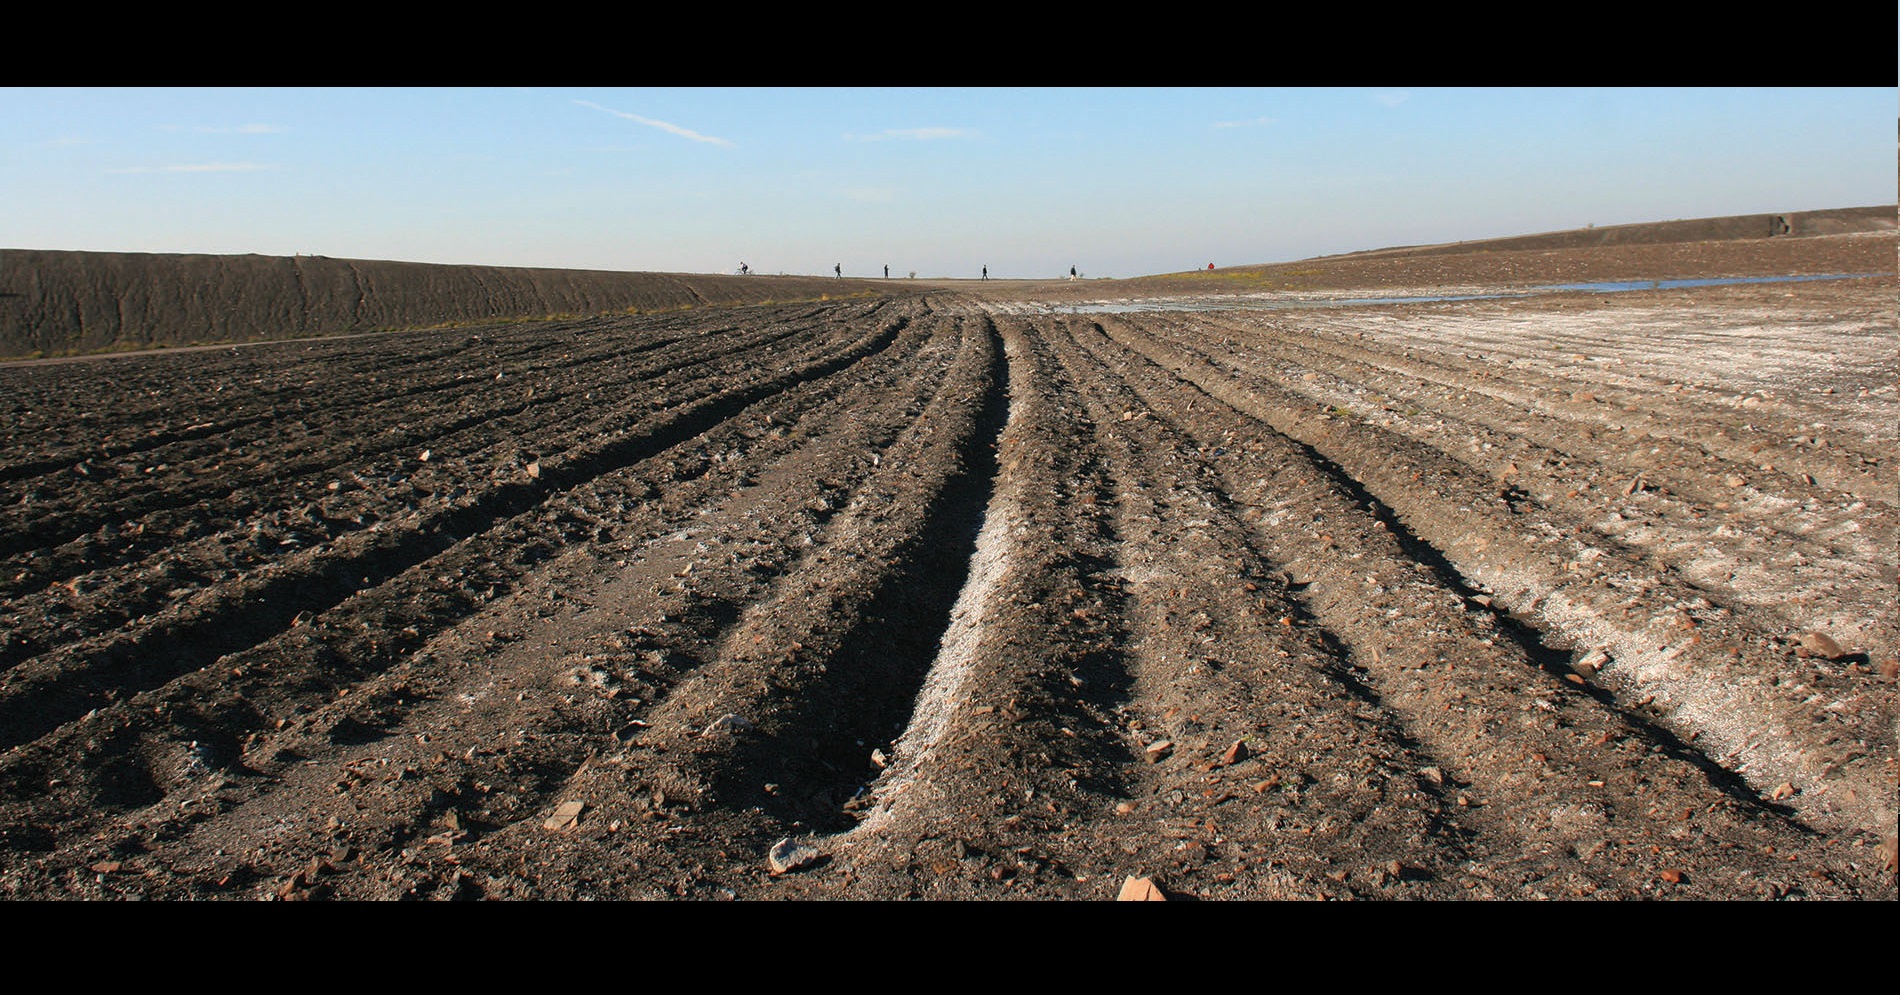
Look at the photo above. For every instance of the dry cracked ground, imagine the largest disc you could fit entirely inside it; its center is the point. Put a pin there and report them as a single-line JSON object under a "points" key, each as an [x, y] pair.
{"points": [[1575, 595]]}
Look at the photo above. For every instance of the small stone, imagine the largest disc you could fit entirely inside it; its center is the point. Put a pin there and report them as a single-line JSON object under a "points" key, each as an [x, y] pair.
{"points": [[1818, 644], [1734, 480], [1672, 876], [1782, 791], [728, 723], [1158, 750], [1136, 889], [788, 855], [566, 816], [534, 470], [1235, 753], [1432, 774]]}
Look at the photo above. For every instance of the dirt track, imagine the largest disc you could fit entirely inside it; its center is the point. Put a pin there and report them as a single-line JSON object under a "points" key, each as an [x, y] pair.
{"points": [[975, 598]]}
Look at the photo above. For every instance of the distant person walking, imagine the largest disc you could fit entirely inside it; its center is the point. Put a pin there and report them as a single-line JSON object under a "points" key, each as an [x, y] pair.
{"points": [[887, 271], [1072, 273], [986, 272], [838, 270]]}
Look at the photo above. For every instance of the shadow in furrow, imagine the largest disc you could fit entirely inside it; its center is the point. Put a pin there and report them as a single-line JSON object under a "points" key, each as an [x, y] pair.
{"points": [[269, 606], [818, 753]]}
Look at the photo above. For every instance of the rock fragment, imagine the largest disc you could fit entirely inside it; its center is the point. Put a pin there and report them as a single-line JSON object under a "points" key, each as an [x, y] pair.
{"points": [[1817, 643], [566, 816], [728, 723], [1136, 889], [788, 855]]}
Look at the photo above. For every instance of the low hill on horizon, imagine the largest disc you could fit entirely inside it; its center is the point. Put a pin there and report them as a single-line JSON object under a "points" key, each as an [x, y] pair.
{"points": [[1797, 224], [65, 303], [1846, 240]]}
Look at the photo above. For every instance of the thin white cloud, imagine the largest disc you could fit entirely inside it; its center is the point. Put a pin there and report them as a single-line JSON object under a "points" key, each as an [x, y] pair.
{"points": [[672, 129], [1392, 98], [1254, 123], [199, 167], [914, 134]]}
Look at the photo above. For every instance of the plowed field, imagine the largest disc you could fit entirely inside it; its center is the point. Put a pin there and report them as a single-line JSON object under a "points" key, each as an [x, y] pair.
{"points": [[1573, 595]]}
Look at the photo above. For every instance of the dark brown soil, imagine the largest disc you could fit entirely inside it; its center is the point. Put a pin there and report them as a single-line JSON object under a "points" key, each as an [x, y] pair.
{"points": [[77, 303], [955, 596]]}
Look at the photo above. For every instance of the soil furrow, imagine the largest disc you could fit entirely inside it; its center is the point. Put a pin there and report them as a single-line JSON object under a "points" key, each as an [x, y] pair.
{"points": [[1460, 685], [1233, 669], [670, 378], [622, 666], [1538, 464], [1025, 679], [38, 695], [959, 596], [1670, 659], [270, 530]]}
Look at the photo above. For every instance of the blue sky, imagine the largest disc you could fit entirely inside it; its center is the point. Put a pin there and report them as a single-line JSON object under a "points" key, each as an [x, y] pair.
{"points": [[1117, 182]]}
